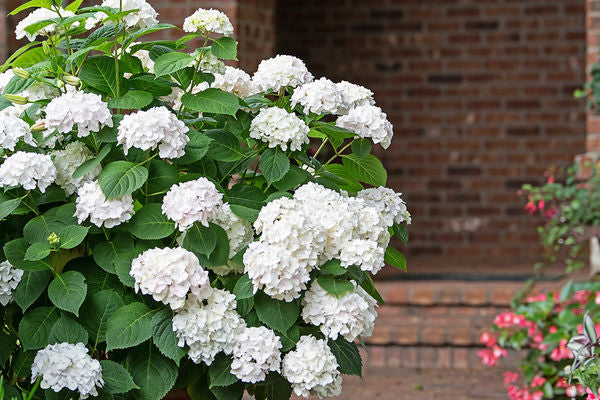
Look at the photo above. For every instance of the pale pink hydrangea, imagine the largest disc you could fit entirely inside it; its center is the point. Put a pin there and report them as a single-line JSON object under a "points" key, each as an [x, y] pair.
{"points": [[86, 110], [169, 275], [28, 170], [92, 203], [155, 127], [67, 366], [255, 354], [192, 201]]}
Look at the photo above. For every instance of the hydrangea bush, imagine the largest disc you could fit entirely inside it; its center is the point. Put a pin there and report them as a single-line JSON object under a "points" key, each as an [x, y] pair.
{"points": [[544, 327], [172, 222]]}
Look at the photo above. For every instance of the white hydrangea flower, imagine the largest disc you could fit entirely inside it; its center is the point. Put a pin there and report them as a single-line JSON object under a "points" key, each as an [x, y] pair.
{"points": [[206, 21], [388, 202], [169, 275], [67, 161], [209, 63], [351, 315], [281, 71], [65, 365], [35, 92], [155, 127], [354, 95], [208, 327], [320, 96], [144, 57], [192, 201], [273, 269], [368, 122], [92, 203], [367, 254], [5, 77], [277, 127], [235, 81], [86, 110], [39, 15], [28, 170], [312, 369], [239, 231], [145, 16], [12, 130], [256, 352], [9, 279]]}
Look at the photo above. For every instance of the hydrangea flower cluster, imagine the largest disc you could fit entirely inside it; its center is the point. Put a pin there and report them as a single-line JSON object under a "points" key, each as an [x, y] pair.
{"points": [[278, 127], [28, 170], [312, 369], [39, 15], [236, 81], [66, 365], [192, 201], [169, 275], [93, 204], [256, 352], [354, 95], [279, 72], [208, 327], [9, 279], [370, 122], [86, 110], [156, 127], [144, 16], [13, 130], [67, 161], [208, 21], [318, 97]]}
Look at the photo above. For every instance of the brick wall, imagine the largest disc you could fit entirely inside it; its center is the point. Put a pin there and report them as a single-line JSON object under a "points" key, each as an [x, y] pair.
{"points": [[480, 95]]}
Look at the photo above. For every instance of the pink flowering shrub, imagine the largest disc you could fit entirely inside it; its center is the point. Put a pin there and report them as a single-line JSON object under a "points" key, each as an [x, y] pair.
{"points": [[542, 326]]}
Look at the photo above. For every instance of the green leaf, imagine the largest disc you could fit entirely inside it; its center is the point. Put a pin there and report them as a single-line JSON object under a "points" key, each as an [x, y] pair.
{"points": [[335, 286], [395, 258], [289, 339], [89, 165], [243, 288], [15, 251], [224, 146], [133, 99], [21, 363], [37, 251], [225, 48], [145, 31], [122, 177], [347, 356], [152, 84], [17, 84], [7, 207], [401, 232], [29, 58], [200, 239], [116, 378], [129, 326], [8, 343], [99, 73], [161, 175], [96, 311], [213, 101], [249, 214], [152, 372], [275, 387], [367, 169], [67, 291], [361, 147], [169, 63], [31, 286], [296, 176], [107, 253], [67, 330], [220, 255], [74, 6], [566, 291], [32, 3], [276, 314], [246, 195], [195, 149], [333, 267], [71, 236], [149, 223], [219, 372], [274, 164], [231, 392], [369, 287], [39, 228], [35, 326], [164, 337]]}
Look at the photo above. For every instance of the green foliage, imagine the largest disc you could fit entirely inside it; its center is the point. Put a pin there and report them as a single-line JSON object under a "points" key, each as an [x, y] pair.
{"points": [[67, 291], [129, 326]]}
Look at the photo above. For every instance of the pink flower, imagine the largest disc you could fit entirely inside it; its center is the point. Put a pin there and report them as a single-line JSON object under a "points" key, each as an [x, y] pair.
{"points": [[561, 352], [510, 377], [488, 339], [537, 297], [530, 207], [597, 299], [551, 179], [491, 356], [591, 395], [541, 204], [571, 391], [552, 329], [562, 383], [581, 296], [551, 212], [538, 381]]}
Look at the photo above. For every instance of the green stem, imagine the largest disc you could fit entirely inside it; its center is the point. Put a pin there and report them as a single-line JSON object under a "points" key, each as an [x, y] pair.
{"points": [[321, 147], [336, 155], [237, 164], [190, 87]]}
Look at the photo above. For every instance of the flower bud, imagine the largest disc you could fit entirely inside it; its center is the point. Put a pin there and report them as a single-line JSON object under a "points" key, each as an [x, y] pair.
{"points": [[21, 73], [20, 100], [53, 239], [46, 48], [72, 80], [39, 126], [60, 84]]}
